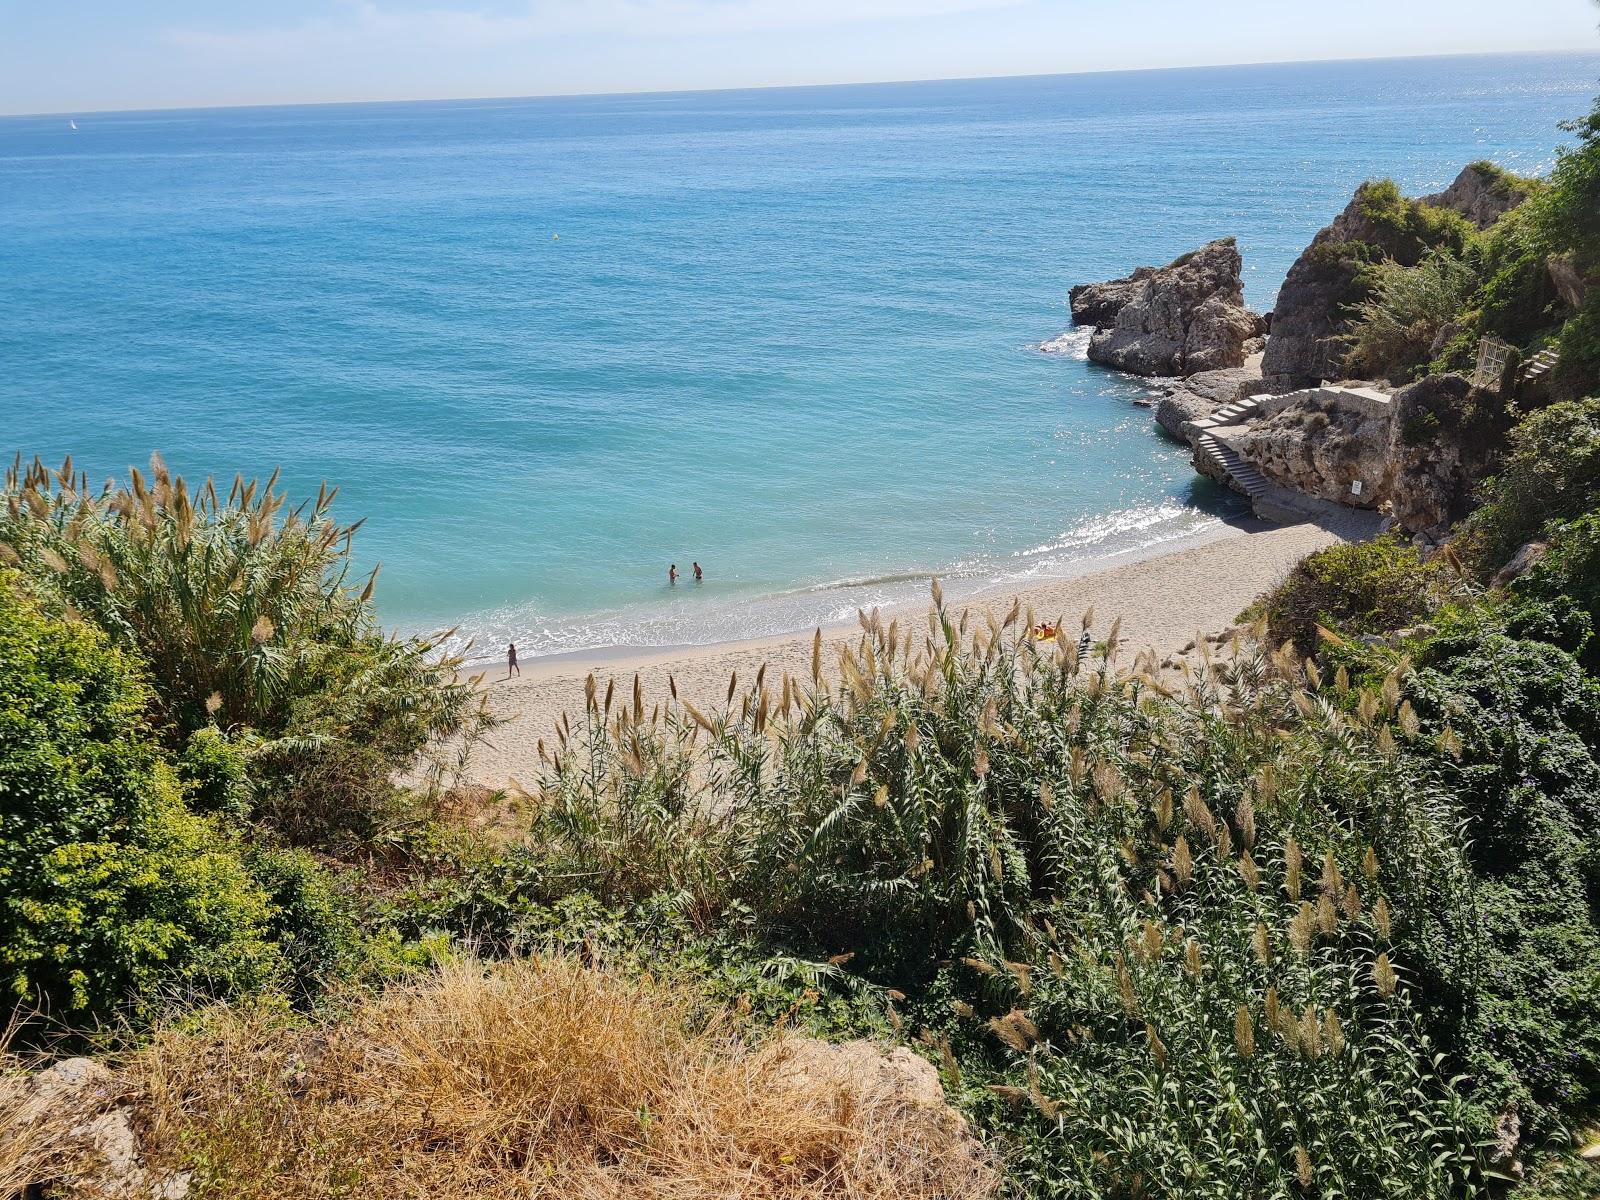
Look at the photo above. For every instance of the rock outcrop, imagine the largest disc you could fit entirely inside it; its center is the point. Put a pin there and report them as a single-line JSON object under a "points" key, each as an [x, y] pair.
{"points": [[1528, 556], [1186, 317], [1097, 304], [1200, 395], [1321, 449], [1567, 280], [1310, 319], [73, 1127], [1482, 193], [1432, 470]]}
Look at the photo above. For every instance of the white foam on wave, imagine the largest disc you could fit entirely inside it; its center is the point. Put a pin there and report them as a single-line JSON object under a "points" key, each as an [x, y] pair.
{"points": [[1074, 343], [694, 617]]}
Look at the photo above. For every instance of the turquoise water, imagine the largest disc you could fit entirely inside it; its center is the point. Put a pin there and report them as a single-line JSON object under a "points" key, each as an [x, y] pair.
{"points": [[547, 347]]}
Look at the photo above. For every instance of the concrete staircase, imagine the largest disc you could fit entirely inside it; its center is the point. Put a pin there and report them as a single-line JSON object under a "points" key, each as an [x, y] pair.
{"points": [[1231, 414], [1222, 458], [1540, 365]]}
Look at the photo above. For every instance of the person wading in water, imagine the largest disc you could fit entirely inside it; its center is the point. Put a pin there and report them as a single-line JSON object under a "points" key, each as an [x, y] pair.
{"points": [[672, 575], [511, 661], [699, 575]]}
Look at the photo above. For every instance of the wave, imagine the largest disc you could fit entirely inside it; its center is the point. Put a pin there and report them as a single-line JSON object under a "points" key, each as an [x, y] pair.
{"points": [[1074, 343], [695, 618]]}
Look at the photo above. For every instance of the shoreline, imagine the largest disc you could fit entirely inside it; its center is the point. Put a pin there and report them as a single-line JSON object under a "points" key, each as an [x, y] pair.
{"points": [[1164, 600], [958, 592]]}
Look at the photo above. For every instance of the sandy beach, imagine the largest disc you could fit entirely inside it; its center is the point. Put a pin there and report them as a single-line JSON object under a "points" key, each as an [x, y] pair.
{"points": [[1163, 603]]}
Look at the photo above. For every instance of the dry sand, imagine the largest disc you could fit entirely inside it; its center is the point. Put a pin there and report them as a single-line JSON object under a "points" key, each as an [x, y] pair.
{"points": [[1163, 602]]}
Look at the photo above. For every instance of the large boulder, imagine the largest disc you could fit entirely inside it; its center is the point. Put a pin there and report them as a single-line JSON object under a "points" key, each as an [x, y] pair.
{"points": [[935, 1143], [1186, 317], [1482, 193]]}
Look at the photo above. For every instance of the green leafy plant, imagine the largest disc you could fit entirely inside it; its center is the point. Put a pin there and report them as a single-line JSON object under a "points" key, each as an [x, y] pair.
{"points": [[1551, 473], [1359, 587], [244, 613], [1394, 327], [111, 892]]}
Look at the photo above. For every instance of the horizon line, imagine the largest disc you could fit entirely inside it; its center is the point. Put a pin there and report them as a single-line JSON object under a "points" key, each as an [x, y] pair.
{"points": [[1593, 52]]}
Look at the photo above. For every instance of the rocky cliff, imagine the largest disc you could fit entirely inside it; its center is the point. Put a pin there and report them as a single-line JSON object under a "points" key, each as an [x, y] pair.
{"points": [[1444, 441], [1482, 193], [1321, 449], [1310, 319], [1186, 317]]}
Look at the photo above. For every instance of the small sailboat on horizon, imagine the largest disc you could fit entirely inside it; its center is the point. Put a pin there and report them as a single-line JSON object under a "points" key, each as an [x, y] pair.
{"points": [[71, 124]]}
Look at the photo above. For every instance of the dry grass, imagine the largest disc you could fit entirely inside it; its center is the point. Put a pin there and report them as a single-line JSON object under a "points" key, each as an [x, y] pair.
{"points": [[40, 1129], [539, 1078]]}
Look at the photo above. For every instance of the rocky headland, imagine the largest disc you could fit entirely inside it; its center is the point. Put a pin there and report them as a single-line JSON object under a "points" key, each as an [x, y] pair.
{"points": [[1312, 316], [1250, 394]]}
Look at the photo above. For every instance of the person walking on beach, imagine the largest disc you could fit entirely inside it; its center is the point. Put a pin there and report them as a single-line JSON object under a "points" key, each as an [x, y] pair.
{"points": [[672, 575], [511, 661], [699, 575]]}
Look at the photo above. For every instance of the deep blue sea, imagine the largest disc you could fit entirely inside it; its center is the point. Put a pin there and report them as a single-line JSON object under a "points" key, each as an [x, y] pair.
{"points": [[549, 346]]}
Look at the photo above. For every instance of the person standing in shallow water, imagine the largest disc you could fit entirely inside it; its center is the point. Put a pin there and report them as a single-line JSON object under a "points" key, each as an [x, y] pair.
{"points": [[699, 575], [511, 661], [672, 575]]}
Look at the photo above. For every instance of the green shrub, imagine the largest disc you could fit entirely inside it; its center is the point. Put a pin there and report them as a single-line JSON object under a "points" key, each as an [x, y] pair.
{"points": [[1045, 857], [310, 920], [247, 621], [1514, 994], [1503, 183], [1568, 577], [1551, 473], [1407, 230], [1516, 299], [111, 892], [1395, 326], [1421, 429], [1360, 587], [214, 770]]}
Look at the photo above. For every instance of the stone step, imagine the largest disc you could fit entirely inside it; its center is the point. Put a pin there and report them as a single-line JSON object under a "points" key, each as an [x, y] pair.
{"points": [[1232, 465]]}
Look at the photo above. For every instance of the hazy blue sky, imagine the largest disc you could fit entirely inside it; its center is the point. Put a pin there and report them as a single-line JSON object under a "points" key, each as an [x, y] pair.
{"points": [[83, 55]]}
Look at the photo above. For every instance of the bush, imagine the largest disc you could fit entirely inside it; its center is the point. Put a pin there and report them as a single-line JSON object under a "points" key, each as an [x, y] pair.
{"points": [[111, 892], [309, 919], [1572, 225], [1394, 328], [1407, 230], [1551, 473], [1568, 578], [1514, 994], [1517, 300], [246, 619], [1360, 587]]}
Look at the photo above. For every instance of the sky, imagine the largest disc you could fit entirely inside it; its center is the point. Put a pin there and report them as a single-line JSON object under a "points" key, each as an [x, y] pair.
{"points": [[73, 56]]}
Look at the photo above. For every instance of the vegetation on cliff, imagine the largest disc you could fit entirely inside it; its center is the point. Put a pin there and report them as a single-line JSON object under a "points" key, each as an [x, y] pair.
{"points": [[1436, 285]]}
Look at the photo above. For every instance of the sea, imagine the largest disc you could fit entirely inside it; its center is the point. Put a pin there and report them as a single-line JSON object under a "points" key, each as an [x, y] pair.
{"points": [[548, 347]]}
